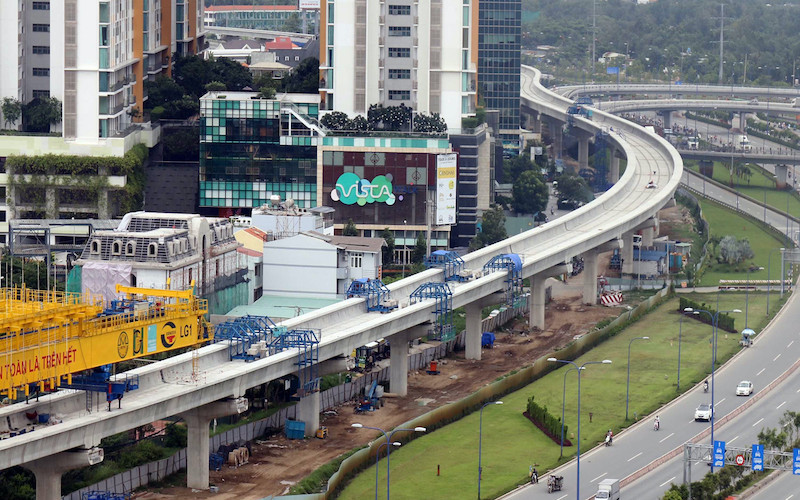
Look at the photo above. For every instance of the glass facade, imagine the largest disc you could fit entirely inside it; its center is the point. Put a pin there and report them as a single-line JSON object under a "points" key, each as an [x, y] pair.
{"points": [[245, 158], [265, 18], [499, 33]]}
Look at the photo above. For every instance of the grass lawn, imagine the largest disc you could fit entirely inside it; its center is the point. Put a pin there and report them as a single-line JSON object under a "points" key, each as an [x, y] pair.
{"points": [[511, 443], [723, 222]]}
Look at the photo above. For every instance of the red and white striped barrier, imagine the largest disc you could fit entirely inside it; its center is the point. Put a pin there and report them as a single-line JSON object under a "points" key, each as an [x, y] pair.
{"points": [[611, 299]]}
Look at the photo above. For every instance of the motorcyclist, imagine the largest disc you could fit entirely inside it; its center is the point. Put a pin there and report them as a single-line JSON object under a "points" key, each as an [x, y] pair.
{"points": [[657, 423], [705, 385], [609, 437]]}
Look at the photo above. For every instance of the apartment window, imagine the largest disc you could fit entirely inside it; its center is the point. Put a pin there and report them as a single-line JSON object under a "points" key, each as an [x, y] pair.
{"points": [[95, 247], [41, 49], [399, 95], [399, 74], [41, 71], [44, 94], [399, 52], [2, 216], [399, 31], [41, 5], [356, 259], [41, 28], [400, 10]]}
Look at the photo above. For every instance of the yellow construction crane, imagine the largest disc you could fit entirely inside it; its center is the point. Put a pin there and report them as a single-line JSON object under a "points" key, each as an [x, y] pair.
{"points": [[46, 337]]}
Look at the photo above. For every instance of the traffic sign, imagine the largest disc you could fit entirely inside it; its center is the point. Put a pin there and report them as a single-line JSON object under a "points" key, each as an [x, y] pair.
{"points": [[757, 462], [796, 462], [739, 459], [719, 454]]}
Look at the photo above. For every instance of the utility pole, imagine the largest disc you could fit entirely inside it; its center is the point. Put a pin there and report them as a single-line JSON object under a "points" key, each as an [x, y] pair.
{"points": [[594, 33], [721, 39]]}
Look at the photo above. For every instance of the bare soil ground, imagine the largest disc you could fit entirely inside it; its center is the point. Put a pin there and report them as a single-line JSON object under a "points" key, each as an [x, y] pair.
{"points": [[278, 463]]}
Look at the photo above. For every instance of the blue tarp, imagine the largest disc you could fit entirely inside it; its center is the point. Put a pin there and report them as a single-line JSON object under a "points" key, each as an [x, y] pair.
{"points": [[650, 255], [516, 259]]}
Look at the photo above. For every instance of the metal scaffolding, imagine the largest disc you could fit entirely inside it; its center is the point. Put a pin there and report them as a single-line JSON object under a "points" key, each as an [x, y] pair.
{"points": [[443, 311], [512, 263], [306, 341]]}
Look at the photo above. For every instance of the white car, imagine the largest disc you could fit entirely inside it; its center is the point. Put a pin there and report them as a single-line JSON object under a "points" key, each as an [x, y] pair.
{"points": [[703, 412], [745, 388]]}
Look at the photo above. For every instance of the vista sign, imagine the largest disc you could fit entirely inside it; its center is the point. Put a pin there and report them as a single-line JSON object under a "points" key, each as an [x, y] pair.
{"points": [[351, 189]]}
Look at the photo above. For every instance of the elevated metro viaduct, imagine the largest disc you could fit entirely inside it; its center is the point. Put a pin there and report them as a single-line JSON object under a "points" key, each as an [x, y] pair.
{"points": [[207, 383]]}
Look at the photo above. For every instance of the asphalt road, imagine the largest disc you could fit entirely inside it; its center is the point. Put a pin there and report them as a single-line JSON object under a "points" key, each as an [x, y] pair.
{"points": [[773, 353]]}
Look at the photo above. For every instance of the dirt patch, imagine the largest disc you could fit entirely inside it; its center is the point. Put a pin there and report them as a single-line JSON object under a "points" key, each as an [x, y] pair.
{"points": [[277, 463]]}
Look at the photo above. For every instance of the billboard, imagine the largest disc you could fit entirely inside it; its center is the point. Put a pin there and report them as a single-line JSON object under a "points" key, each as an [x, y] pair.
{"points": [[446, 189], [308, 4]]}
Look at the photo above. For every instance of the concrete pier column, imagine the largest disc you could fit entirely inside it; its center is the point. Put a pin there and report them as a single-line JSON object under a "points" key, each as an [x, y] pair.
{"points": [[472, 339], [308, 412], [667, 118], [742, 121], [647, 236], [613, 173], [536, 301], [583, 150], [781, 172], [627, 253], [398, 370], [556, 134], [197, 423], [590, 277], [48, 470]]}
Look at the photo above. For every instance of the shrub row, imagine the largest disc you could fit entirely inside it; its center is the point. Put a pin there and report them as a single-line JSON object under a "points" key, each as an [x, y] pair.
{"points": [[724, 321], [541, 415]]}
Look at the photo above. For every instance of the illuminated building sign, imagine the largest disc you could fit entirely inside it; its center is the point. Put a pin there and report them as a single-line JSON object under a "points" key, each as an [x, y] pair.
{"points": [[351, 189]]}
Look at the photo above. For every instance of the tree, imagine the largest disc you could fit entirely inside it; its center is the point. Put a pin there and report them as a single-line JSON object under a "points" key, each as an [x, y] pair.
{"points": [[186, 107], [12, 110], [266, 92], [350, 228], [336, 120], [161, 91], [420, 249], [304, 78], [215, 86], [530, 193], [573, 187], [39, 114], [293, 24], [429, 124], [514, 167], [734, 251], [388, 250], [492, 229]]}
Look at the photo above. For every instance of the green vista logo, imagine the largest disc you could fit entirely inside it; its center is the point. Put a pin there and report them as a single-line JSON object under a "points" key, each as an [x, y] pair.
{"points": [[351, 189]]}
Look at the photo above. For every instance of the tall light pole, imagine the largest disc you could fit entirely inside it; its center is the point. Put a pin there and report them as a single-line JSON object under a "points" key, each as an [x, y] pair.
{"points": [[769, 262], [388, 449], [405, 246], [747, 294], [480, 439], [579, 368], [563, 401], [680, 327], [377, 457], [714, 321], [628, 384]]}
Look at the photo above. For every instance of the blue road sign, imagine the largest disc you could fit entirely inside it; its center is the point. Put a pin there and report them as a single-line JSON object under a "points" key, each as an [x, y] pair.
{"points": [[796, 462], [757, 460], [719, 454]]}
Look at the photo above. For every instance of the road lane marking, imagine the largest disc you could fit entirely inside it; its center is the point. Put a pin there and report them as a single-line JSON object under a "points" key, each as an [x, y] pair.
{"points": [[790, 344], [779, 406], [762, 371], [776, 358], [671, 434], [598, 477], [720, 401], [759, 421], [734, 439], [635, 456], [666, 482], [561, 497]]}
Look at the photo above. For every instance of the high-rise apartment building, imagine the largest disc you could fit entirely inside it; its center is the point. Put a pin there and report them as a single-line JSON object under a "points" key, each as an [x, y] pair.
{"points": [[94, 56], [499, 37], [420, 54]]}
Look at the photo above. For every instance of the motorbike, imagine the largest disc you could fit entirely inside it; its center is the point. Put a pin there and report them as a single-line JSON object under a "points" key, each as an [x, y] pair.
{"points": [[656, 425], [705, 386], [609, 439]]}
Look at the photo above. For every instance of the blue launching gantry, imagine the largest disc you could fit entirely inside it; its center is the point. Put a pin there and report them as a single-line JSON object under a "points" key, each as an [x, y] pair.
{"points": [[443, 311], [375, 293], [248, 336], [451, 263], [99, 380], [512, 263], [306, 341], [579, 107]]}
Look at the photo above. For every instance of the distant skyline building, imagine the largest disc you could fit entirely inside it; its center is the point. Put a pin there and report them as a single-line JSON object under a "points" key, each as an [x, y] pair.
{"points": [[94, 56], [287, 18], [500, 33], [421, 55]]}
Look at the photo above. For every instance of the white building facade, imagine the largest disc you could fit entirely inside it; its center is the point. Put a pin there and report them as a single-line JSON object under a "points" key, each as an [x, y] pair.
{"points": [[420, 54]]}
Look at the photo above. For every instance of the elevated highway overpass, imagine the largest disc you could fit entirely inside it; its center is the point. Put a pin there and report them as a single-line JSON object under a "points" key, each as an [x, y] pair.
{"points": [[207, 384], [573, 91]]}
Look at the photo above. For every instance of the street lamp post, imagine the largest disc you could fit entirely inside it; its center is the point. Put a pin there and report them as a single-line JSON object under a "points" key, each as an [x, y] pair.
{"points": [[579, 368], [680, 327], [377, 457], [628, 384], [405, 246], [388, 449], [714, 322], [563, 401], [769, 262], [480, 439], [747, 294]]}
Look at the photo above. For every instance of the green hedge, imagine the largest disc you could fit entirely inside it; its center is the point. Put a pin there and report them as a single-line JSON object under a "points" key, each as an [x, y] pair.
{"points": [[548, 421], [724, 321], [51, 164]]}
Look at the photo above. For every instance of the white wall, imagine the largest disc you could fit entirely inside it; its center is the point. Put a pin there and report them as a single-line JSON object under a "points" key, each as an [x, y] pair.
{"points": [[300, 265], [88, 83], [344, 56], [9, 70]]}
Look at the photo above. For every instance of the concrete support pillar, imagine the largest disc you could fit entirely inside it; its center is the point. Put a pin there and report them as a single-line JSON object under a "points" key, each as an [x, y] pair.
{"points": [[536, 123], [48, 470], [472, 339], [308, 412], [556, 134], [743, 121], [613, 173], [667, 115], [590, 277], [781, 172], [647, 236], [583, 150], [536, 301], [627, 253], [398, 370], [197, 452]]}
